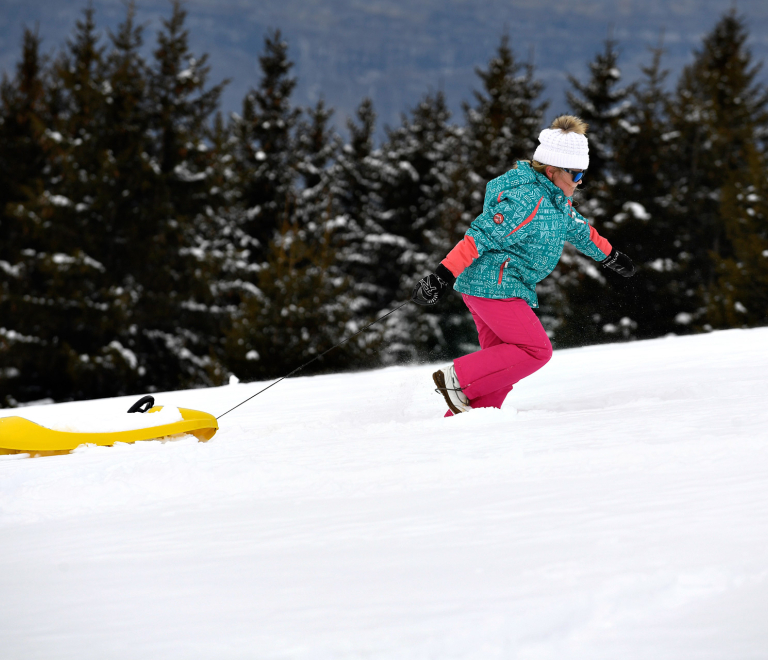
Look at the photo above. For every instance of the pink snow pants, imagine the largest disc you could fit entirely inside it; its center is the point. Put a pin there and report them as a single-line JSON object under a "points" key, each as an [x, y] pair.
{"points": [[513, 344]]}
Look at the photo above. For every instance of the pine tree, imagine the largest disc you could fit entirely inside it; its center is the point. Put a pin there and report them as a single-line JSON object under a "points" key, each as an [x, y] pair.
{"points": [[114, 289], [504, 123], [603, 105], [24, 118], [318, 221], [570, 295], [423, 160], [296, 313], [264, 145], [24, 144], [299, 307], [358, 174], [316, 148], [181, 324], [296, 303], [501, 128], [641, 224], [259, 213], [739, 297], [719, 112], [104, 127]]}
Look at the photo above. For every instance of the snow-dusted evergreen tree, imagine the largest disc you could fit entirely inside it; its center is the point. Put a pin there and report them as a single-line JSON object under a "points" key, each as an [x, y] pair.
{"points": [[104, 130], [298, 303], [176, 310], [421, 220], [502, 127], [324, 215], [302, 306], [114, 291], [358, 173], [227, 248], [505, 120], [264, 146], [297, 313], [60, 300], [316, 144], [22, 127], [356, 180], [24, 146], [740, 294], [577, 284], [258, 179], [641, 224], [604, 106], [721, 168], [720, 114]]}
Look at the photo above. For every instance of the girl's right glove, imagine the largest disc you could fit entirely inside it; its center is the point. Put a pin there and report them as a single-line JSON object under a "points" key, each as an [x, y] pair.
{"points": [[619, 262], [434, 286]]}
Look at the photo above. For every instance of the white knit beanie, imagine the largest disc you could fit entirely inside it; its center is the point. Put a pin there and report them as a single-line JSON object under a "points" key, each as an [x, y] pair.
{"points": [[561, 149]]}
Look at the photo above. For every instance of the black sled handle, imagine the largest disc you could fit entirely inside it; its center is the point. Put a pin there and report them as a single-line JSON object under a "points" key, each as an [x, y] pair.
{"points": [[143, 404]]}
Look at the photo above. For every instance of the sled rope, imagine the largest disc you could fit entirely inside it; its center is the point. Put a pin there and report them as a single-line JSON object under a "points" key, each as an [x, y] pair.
{"points": [[317, 357]]}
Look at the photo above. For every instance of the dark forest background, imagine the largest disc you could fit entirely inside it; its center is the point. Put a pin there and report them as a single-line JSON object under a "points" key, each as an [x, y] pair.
{"points": [[149, 243]]}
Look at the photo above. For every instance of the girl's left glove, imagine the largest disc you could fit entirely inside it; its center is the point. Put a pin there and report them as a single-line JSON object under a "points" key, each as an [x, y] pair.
{"points": [[434, 286], [619, 262]]}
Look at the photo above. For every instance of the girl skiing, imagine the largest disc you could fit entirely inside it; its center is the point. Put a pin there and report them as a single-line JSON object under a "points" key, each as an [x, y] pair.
{"points": [[512, 245]]}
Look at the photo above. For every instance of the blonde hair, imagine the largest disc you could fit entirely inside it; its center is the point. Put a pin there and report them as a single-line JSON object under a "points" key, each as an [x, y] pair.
{"points": [[535, 165]]}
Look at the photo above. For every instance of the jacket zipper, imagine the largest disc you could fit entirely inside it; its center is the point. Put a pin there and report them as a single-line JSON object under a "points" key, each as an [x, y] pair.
{"points": [[501, 269], [528, 219]]}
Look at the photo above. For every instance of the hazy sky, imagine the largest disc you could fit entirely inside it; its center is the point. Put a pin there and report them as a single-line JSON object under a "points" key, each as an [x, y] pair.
{"points": [[395, 51]]}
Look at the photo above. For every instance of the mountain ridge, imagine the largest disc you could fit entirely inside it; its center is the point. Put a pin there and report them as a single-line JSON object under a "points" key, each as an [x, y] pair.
{"points": [[395, 52]]}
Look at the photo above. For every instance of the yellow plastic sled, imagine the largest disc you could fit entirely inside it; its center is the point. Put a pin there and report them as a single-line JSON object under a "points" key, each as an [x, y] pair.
{"points": [[20, 436]]}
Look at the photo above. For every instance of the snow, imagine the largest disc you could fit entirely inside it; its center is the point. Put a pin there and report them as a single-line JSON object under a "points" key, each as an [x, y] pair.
{"points": [[13, 336], [13, 271], [662, 265], [617, 507], [185, 174], [637, 210], [60, 200]]}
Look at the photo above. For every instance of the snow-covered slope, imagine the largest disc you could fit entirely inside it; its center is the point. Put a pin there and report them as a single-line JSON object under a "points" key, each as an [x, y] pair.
{"points": [[616, 508]]}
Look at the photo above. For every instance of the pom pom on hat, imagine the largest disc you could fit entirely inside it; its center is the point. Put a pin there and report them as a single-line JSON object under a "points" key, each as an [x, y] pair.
{"points": [[564, 145]]}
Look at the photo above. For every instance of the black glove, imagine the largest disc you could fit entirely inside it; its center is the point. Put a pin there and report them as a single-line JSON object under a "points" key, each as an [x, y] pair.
{"points": [[433, 287], [620, 262]]}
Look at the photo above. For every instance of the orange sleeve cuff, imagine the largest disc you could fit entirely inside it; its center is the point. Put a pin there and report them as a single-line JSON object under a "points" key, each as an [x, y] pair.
{"points": [[461, 256], [602, 244]]}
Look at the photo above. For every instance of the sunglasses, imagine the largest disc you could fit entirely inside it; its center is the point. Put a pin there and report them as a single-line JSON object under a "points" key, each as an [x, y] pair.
{"points": [[575, 174]]}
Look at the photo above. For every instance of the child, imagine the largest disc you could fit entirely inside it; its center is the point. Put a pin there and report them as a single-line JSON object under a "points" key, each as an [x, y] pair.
{"points": [[515, 243]]}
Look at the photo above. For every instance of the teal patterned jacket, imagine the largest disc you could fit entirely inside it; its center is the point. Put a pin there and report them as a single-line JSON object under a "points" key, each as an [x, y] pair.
{"points": [[518, 238]]}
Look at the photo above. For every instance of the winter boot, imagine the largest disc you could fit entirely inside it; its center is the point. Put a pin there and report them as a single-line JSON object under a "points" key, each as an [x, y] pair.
{"points": [[448, 385]]}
